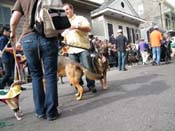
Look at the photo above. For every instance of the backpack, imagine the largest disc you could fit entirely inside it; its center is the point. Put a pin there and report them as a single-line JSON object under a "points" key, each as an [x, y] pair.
{"points": [[49, 18]]}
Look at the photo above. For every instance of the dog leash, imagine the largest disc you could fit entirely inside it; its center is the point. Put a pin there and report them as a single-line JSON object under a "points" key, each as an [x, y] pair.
{"points": [[4, 48], [17, 72], [64, 44]]}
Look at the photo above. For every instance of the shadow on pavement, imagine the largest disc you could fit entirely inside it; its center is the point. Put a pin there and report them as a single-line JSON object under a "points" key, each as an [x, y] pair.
{"points": [[118, 90]]}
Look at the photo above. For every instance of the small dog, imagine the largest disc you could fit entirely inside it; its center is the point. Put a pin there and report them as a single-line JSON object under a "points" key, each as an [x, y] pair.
{"points": [[11, 98], [132, 59]]}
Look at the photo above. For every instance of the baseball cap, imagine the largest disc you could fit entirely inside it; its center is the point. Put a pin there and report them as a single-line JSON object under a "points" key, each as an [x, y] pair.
{"points": [[156, 27], [119, 31]]}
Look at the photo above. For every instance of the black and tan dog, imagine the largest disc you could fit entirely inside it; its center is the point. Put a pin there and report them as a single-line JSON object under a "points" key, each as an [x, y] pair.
{"points": [[74, 71], [101, 65]]}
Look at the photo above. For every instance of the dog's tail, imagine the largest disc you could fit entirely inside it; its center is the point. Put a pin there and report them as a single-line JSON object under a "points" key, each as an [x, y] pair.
{"points": [[91, 75]]}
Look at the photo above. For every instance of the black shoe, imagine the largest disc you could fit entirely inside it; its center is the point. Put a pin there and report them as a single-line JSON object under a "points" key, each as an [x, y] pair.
{"points": [[125, 69], [154, 63], [93, 89], [52, 118]]}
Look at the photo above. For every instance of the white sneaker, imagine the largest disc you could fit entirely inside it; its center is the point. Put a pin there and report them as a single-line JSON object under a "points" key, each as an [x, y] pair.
{"points": [[17, 115]]}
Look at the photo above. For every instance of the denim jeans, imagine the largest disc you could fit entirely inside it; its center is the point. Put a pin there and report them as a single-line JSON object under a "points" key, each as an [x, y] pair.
{"points": [[84, 59], [38, 50], [156, 52], [121, 60]]}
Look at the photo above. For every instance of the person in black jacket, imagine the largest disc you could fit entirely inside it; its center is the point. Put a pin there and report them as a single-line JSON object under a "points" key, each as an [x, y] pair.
{"points": [[121, 45]]}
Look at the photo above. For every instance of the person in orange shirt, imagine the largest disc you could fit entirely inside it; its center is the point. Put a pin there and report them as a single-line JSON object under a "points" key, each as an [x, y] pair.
{"points": [[155, 41]]}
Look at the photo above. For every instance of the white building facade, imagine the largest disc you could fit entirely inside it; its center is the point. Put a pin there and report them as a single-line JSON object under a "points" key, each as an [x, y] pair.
{"points": [[114, 15]]}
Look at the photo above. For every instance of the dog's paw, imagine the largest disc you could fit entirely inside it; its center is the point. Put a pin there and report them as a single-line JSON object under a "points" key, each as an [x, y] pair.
{"points": [[105, 87], [77, 94], [78, 98]]}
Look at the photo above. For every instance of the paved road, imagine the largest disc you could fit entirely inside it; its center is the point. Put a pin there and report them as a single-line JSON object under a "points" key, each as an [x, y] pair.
{"points": [[140, 99]]}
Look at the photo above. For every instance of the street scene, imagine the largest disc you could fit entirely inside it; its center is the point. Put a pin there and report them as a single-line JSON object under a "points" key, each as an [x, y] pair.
{"points": [[141, 99], [87, 65]]}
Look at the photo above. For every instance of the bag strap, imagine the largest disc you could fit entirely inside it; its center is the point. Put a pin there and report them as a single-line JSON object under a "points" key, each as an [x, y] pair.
{"points": [[52, 3], [37, 12], [32, 20]]}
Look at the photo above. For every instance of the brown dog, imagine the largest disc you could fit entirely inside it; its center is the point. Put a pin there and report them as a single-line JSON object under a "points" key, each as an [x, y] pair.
{"points": [[101, 65], [74, 71]]}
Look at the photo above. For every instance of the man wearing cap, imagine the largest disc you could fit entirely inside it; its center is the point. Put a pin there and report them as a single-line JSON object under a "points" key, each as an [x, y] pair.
{"points": [[121, 44], [155, 41]]}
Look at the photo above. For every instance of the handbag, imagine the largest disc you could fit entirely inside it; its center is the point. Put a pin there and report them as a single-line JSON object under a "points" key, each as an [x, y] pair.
{"points": [[50, 18], [54, 21]]}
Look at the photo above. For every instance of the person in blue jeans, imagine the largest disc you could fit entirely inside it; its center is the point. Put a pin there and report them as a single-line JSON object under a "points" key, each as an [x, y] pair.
{"points": [[41, 54], [121, 45], [155, 41]]}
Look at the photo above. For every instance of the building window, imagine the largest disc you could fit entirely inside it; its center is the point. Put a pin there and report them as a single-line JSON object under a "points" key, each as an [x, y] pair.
{"points": [[129, 34], [123, 5], [5, 14], [120, 27], [110, 30], [167, 21], [133, 35]]}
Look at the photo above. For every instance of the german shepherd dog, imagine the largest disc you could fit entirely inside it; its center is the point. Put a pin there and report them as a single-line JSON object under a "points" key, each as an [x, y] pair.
{"points": [[100, 66], [74, 71]]}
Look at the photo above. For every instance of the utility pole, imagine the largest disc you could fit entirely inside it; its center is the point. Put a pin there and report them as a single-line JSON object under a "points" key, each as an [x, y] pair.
{"points": [[161, 19], [160, 3]]}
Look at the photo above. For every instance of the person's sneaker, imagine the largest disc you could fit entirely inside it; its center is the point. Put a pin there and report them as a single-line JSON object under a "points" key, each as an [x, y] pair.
{"points": [[18, 116]]}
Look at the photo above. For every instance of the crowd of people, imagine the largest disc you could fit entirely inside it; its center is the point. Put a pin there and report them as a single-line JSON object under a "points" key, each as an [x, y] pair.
{"points": [[42, 54], [159, 49]]}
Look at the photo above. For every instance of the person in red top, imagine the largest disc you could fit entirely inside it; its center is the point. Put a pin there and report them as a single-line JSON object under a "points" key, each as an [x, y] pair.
{"points": [[155, 41]]}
